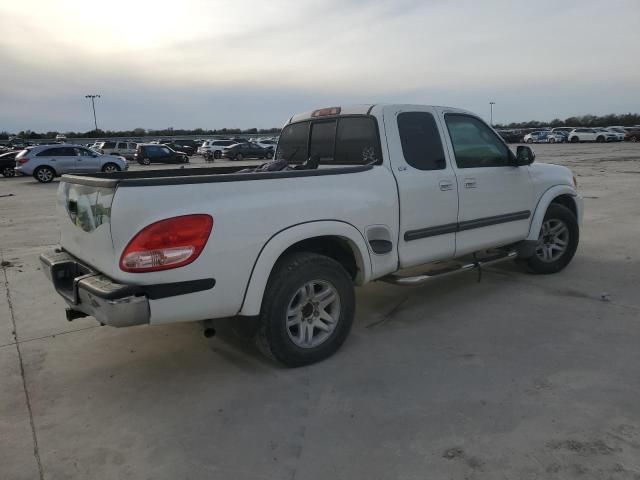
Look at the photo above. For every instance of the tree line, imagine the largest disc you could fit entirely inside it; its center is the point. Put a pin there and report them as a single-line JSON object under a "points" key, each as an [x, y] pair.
{"points": [[624, 120], [138, 132]]}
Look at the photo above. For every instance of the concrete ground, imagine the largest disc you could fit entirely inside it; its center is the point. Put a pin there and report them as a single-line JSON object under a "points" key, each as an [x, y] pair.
{"points": [[516, 376]]}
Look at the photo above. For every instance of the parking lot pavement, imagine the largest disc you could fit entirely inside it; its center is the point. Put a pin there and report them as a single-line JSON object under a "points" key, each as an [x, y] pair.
{"points": [[516, 376]]}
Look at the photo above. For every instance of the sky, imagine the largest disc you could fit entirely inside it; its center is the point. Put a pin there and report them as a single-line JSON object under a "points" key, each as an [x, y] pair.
{"points": [[244, 63]]}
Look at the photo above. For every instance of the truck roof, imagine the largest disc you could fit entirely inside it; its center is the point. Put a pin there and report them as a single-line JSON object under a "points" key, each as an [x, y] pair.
{"points": [[359, 109]]}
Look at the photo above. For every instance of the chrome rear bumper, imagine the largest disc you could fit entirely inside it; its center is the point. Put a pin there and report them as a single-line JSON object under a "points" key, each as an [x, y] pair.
{"points": [[94, 294]]}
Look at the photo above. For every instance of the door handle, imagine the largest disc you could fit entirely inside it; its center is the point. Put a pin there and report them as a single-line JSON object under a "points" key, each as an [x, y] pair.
{"points": [[469, 183], [446, 185]]}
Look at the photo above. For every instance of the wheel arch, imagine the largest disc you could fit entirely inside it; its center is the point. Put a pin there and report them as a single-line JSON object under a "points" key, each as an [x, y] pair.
{"points": [[336, 239], [561, 194]]}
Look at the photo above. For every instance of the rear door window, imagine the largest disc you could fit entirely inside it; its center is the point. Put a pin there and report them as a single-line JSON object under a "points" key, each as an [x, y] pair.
{"points": [[420, 140]]}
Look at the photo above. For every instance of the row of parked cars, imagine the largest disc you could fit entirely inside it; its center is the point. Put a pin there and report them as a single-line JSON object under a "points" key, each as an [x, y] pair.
{"points": [[45, 162], [573, 135]]}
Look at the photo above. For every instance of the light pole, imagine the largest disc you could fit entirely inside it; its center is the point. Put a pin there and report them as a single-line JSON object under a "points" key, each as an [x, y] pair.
{"points": [[93, 104], [491, 104]]}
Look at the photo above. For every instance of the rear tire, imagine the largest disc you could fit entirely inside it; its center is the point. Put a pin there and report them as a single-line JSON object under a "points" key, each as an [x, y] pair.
{"points": [[557, 241], [529, 140], [269, 155], [110, 167], [8, 172], [633, 139], [238, 157], [44, 174], [307, 309], [600, 139], [217, 154], [575, 139]]}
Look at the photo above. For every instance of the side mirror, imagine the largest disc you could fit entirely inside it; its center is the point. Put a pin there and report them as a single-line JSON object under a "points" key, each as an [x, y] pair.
{"points": [[524, 156]]}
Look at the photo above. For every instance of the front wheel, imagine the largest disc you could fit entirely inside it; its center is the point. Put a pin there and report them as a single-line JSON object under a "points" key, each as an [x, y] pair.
{"points": [[146, 161], [575, 139], [600, 139], [307, 311], [110, 168], [8, 172], [217, 154], [238, 157], [529, 140], [269, 155], [557, 241]]}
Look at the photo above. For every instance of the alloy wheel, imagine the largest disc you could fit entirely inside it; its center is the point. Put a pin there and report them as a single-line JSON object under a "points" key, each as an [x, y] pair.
{"points": [[313, 313]]}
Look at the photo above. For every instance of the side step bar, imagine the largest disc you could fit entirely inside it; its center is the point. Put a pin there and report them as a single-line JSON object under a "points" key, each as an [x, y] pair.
{"points": [[449, 270]]}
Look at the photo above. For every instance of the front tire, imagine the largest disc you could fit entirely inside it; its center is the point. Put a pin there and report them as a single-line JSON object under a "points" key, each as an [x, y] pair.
{"points": [[575, 139], [110, 168], [238, 157], [557, 241], [529, 140], [44, 174], [307, 311], [146, 161], [217, 154], [600, 140], [269, 155]]}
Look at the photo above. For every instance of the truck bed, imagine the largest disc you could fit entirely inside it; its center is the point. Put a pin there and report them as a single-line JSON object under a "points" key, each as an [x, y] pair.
{"points": [[185, 176]]}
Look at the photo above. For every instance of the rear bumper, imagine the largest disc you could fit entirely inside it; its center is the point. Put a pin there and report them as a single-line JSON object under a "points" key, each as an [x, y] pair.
{"points": [[93, 294]]}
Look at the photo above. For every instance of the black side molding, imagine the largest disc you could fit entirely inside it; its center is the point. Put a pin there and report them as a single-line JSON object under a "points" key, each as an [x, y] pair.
{"points": [[466, 225], [430, 232], [495, 220], [164, 290]]}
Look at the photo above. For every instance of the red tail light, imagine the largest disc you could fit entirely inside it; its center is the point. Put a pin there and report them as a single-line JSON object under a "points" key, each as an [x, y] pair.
{"points": [[171, 243], [23, 160]]}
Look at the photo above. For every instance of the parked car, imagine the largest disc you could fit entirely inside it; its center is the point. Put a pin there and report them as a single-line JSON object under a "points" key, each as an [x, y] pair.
{"points": [[8, 163], [587, 135], [240, 151], [186, 149], [156, 153], [632, 134], [609, 135], [511, 136], [285, 248], [212, 149], [268, 144], [121, 147], [48, 161], [538, 136], [190, 147]]}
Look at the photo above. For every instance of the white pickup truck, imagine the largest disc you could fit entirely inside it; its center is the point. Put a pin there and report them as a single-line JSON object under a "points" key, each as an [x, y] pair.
{"points": [[355, 194]]}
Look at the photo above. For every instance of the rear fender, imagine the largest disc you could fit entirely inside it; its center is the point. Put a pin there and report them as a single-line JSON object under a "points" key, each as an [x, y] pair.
{"points": [[545, 200], [281, 241]]}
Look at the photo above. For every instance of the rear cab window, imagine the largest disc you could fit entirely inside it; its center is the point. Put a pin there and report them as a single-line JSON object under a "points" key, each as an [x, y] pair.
{"points": [[347, 140], [420, 140]]}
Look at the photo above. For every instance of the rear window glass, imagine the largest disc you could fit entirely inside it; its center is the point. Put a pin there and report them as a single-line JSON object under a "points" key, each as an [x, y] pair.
{"points": [[293, 143], [347, 141], [323, 139], [109, 145], [357, 141]]}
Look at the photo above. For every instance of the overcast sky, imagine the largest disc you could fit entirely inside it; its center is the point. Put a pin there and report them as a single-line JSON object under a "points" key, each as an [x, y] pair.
{"points": [[219, 63]]}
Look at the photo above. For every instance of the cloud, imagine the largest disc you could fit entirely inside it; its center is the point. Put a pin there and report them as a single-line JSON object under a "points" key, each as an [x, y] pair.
{"points": [[238, 62]]}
